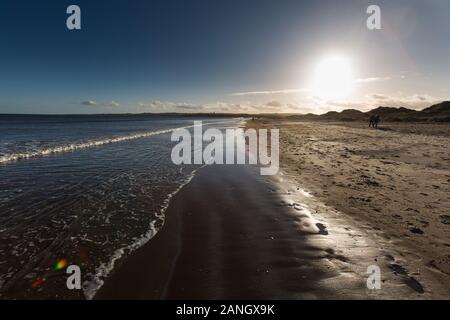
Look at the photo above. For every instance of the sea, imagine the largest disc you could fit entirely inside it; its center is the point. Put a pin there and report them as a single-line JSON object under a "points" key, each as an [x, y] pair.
{"points": [[84, 190]]}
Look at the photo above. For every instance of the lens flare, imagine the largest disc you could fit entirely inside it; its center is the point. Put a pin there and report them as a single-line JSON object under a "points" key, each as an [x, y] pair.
{"points": [[61, 264], [38, 282]]}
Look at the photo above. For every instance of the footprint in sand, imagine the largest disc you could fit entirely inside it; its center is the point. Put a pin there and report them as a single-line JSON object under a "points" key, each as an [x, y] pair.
{"points": [[322, 229], [410, 281], [416, 230], [445, 219]]}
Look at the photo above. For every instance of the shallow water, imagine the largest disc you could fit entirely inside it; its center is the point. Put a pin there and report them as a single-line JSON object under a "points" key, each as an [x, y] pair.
{"points": [[90, 204]]}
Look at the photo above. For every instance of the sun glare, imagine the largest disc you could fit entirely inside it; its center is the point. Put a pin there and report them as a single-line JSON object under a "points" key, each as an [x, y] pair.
{"points": [[333, 78]]}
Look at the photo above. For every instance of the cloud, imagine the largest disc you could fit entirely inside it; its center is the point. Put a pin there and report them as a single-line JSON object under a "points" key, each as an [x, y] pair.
{"points": [[100, 104], [89, 103], [415, 101], [166, 106], [282, 91], [310, 104], [303, 90], [273, 104], [377, 96], [373, 79], [217, 107]]}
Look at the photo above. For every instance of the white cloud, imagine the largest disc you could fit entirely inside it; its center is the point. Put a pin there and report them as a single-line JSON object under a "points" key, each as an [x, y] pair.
{"points": [[217, 107], [310, 104], [304, 90], [282, 91], [100, 104], [416, 101], [89, 103], [275, 104], [373, 79], [377, 96], [166, 106]]}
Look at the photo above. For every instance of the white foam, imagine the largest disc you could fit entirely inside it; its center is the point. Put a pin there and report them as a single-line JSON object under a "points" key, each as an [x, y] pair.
{"points": [[91, 287], [89, 144]]}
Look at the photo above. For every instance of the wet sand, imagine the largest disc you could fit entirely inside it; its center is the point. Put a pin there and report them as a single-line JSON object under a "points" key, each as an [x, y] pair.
{"points": [[232, 234], [220, 241]]}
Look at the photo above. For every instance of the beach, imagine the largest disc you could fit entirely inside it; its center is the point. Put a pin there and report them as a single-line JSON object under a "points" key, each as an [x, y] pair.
{"points": [[225, 150], [232, 234], [222, 239], [346, 200], [394, 182]]}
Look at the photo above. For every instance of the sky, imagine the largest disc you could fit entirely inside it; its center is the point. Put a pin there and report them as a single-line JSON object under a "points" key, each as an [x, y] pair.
{"points": [[222, 56]]}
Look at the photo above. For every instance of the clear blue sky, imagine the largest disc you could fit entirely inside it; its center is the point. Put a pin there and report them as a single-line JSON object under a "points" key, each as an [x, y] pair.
{"points": [[218, 55]]}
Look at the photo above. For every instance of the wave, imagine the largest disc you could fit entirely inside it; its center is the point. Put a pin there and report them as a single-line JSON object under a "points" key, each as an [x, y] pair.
{"points": [[89, 144]]}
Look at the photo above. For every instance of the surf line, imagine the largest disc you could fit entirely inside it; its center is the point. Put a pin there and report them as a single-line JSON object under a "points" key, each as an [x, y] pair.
{"points": [[90, 144]]}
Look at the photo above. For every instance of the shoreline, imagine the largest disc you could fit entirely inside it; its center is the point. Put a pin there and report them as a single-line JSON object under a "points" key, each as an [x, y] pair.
{"points": [[120, 254], [232, 234], [214, 248]]}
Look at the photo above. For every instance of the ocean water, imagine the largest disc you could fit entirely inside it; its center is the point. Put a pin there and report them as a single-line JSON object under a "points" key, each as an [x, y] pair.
{"points": [[87, 190]]}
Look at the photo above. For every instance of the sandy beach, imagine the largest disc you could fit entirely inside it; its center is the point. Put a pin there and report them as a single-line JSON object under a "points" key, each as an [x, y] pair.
{"points": [[225, 150], [346, 198], [394, 182]]}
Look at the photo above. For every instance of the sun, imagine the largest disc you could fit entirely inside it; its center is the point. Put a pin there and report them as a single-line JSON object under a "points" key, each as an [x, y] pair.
{"points": [[333, 78]]}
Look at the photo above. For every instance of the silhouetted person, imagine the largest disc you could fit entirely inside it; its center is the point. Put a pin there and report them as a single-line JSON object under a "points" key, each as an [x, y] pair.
{"points": [[374, 120]]}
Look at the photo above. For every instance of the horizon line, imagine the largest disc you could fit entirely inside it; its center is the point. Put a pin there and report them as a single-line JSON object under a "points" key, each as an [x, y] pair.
{"points": [[203, 113]]}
